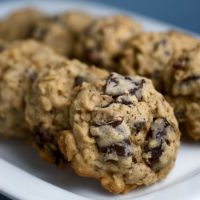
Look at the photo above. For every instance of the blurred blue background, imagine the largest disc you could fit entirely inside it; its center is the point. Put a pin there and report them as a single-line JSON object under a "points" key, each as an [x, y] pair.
{"points": [[183, 13]]}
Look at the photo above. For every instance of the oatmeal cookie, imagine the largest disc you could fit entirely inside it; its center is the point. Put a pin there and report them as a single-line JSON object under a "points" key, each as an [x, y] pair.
{"points": [[75, 21], [47, 104], [182, 84], [53, 34], [19, 24], [104, 40], [19, 65], [124, 133], [150, 52]]}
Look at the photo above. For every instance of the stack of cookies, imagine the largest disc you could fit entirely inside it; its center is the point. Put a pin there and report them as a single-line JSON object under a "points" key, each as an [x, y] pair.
{"points": [[86, 91]]}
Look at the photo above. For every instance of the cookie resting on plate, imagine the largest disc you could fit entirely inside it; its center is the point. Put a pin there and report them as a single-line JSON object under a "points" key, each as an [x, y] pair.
{"points": [[47, 103], [150, 52], [124, 133], [182, 85], [19, 64]]}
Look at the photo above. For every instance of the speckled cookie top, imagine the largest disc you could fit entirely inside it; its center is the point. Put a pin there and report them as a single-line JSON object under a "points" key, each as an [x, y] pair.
{"points": [[48, 101], [150, 52], [19, 65], [184, 75], [105, 38], [119, 124]]}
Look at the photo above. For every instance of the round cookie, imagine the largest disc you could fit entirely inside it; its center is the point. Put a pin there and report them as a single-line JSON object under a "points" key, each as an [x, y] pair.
{"points": [[187, 112], [182, 77], [182, 84], [75, 21], [124, 133], [19, 65], [55, 35], [104, 39], [19, 24], [150, 52], [47, 104]]}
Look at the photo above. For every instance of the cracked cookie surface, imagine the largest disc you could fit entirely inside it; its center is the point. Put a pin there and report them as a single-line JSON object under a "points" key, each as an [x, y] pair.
{"points": [[124, 133]]}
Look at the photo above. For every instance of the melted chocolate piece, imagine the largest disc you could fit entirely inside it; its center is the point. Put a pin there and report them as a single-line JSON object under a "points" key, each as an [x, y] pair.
{"points": [[160, 132], [43, 139], [79, 80], [124, 100], [181, 63], [157, 132], [122, 148], [118, 85], [155, 153]]}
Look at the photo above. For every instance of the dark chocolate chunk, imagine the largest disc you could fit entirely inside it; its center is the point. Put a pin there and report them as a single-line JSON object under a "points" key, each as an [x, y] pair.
{"points": [[122, 148], [79, 80], [44, 140], [138, 126], [155, 153], [181, 63], [190, 78], [124, 100], [157, 132], [118, 85]]}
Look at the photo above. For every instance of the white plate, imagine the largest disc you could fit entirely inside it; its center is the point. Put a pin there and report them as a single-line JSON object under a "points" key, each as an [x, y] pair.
{"points": [[24, 176]]}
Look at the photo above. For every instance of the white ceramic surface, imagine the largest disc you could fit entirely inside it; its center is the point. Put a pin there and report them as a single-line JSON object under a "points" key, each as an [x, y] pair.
{"points": [[24, 176]]}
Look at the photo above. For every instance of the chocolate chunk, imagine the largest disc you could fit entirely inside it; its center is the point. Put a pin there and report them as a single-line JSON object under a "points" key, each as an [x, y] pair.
{"points": [[180, 114], [122, 148], [45, 140], [138, 126], [181, 63], [118, 85], [79, 80], [125, 99], [190, 78], [158, 129], [155, 153], [158, 133]]}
